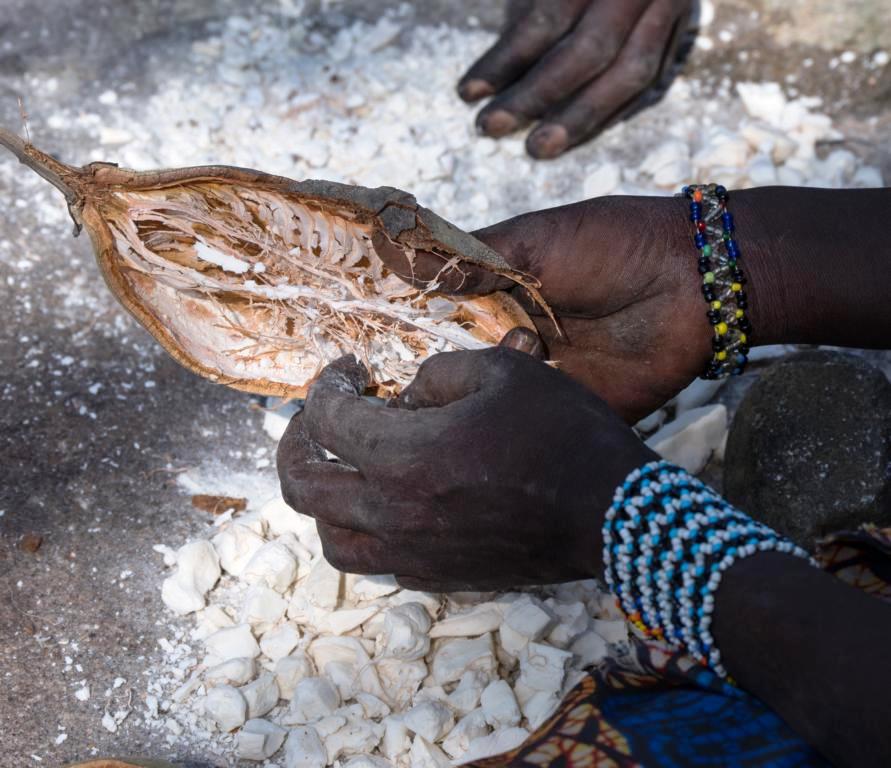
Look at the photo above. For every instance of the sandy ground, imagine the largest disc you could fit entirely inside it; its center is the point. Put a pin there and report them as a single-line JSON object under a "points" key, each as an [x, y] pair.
{"points": [[95, 421]]}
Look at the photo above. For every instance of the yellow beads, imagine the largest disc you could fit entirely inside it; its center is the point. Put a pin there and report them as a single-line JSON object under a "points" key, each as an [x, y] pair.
{"points": [[637, 620], [723, 283]]}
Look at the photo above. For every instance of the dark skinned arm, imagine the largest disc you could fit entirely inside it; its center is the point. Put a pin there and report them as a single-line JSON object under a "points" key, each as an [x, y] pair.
{"points": [[494, 470], [620, 273], [807, 644], [814, 649], [819, 264]]}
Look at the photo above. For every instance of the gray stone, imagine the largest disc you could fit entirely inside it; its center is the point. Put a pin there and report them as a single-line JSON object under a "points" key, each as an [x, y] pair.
{"points": [[809, 451]]}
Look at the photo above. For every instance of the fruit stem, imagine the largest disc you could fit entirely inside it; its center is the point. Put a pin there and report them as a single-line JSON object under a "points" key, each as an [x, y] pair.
{"points": [[48, 167]]}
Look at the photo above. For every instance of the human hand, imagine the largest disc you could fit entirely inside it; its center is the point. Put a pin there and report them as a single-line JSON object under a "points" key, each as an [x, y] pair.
{"points": [[490, 470], [575, 65], [620, 274]]}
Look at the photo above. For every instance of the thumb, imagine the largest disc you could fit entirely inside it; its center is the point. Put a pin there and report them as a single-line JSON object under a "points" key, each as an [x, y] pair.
{"points": [[425, 268], [451, 376], [518, 239], [523, 242], [443, 379]]}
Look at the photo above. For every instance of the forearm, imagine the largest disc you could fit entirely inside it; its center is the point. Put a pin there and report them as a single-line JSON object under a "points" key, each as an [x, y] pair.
{"points": [[818, 263], [814, 649]]}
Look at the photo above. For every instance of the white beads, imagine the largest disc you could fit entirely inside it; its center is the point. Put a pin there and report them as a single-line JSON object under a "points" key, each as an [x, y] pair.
{"points": [[687, 527]]}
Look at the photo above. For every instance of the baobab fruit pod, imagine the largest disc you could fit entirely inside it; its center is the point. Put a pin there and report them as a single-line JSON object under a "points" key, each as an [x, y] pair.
{"points": [[257, 281]]}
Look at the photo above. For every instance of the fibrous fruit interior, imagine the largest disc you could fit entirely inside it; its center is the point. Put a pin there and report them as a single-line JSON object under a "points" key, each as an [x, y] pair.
{"points": [[260, 286], [257, 281]]}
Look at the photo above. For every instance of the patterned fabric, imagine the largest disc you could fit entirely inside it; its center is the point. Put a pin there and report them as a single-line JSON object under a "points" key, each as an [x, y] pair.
{"points": [[860, 558], [655, 708]]}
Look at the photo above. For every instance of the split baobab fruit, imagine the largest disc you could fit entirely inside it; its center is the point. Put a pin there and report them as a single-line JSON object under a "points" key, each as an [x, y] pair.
{"points": [[257, 281]]}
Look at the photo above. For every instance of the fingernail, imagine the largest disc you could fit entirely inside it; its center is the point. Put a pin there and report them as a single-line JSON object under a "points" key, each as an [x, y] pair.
{"points": [[547, 141], [497, 123], [474, 90], [524, 340]]}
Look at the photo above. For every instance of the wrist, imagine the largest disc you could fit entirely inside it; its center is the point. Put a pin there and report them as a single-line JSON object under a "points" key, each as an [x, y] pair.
{"points": [[668, 541], [816, 259], [693, 331], [773, 285], [587, 489], [769, 267]]}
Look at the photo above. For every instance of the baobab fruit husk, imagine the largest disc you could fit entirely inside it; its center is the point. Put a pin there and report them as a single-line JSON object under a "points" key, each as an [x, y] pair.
{"points": [[257, 281], [217, 505], [131, 762], [30, 543]]}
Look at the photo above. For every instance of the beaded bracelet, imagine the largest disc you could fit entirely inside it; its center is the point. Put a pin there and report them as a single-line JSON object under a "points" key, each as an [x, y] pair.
{"points": [[723, 280], [667, 540]]}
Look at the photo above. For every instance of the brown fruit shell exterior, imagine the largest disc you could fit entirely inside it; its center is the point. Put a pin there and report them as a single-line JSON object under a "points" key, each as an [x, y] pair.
{"points": [[130, 762]]}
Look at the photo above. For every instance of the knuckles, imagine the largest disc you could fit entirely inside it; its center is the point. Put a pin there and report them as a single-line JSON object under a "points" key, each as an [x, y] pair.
{"points": [[593, 49], [640, 72], [545, 20], [541, 22], [288, 494], [431, 368], [503, 364], [502, 359]]}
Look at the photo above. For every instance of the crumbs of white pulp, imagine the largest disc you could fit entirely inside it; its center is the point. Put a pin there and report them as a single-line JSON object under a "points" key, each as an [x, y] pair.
{"points": [[289, 654]]}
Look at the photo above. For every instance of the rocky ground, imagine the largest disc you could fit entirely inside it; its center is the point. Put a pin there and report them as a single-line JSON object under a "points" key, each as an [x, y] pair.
{"points": [[97, 424]]}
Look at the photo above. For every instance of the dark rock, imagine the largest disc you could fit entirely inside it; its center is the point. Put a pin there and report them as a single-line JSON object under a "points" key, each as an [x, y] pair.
{"points": [[809, 451]]}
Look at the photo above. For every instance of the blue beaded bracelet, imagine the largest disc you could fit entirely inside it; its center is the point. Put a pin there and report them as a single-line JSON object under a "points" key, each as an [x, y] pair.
{"points": [[667, 540]]}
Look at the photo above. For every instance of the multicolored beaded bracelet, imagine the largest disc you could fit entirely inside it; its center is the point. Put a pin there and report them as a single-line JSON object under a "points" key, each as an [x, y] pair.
{"points": [[667, 540], [723, 280]]}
